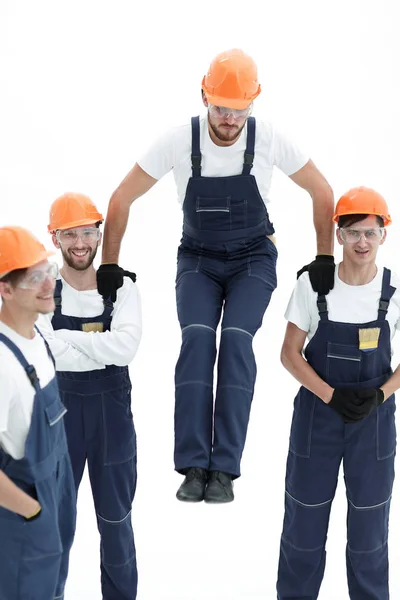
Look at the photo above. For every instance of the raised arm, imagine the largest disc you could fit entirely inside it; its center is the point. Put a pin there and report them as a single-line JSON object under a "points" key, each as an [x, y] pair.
{"points": [[322, 269], [135, 184], [311, 179]]}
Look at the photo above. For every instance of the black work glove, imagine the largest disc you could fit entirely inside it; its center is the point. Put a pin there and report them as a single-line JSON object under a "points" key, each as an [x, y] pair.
{"points": [[354, 405], [110, 277], [322, 273]]}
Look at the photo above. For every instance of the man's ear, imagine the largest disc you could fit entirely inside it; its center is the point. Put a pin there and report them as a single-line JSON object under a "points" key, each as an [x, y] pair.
{"points": [[55, 241], [5, 290]]}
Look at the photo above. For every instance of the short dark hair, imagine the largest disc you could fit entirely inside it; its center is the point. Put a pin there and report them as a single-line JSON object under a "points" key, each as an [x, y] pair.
{"points": [[349, 220], [14, 277]]}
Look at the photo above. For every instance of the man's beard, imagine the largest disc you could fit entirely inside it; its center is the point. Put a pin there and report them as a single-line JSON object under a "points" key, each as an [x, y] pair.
{"points": [[72, 261], [229, 136]]}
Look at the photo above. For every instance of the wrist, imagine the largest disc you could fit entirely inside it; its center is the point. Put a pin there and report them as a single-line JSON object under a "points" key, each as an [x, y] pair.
{"points": [[33, 511], [325, 257], [327, 394], [385, 393]]}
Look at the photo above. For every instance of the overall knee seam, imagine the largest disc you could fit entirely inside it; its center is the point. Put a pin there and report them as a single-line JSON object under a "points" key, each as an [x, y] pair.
{"points": [[198, 382], [369, 507], [302, 549], [130, 559], [235, 387], [308, 505], [367, 551], [200, 326], [114, 522], [238, 329]]}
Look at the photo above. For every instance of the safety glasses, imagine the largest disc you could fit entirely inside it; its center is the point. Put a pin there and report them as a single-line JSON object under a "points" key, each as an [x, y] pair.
{"points": [[221, 112], [88, 235], [352, 236], [35, 278]]}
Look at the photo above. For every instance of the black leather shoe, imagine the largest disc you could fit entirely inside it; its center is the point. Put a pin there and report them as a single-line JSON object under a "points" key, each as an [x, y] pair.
{"points": [[192, 489], [219, 488]]}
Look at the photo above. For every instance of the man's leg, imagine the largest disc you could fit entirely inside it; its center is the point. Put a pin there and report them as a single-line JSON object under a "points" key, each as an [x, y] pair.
{"points": [[369, 475], [199, 298], [112, 472], [248, 293], [315, 453]]}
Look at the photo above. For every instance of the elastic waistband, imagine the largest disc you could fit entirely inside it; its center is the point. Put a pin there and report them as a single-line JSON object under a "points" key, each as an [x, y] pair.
{"points": [[93, 386], [211, 236]]}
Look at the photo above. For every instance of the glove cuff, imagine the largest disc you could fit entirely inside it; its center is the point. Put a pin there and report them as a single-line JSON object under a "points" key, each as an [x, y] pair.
{"points": [[327, 258]]}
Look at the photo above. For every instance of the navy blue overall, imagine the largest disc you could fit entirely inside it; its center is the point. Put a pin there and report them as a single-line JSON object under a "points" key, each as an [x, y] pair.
{"points": [[319, 440], [224, 260], [99, 427], [34, 555]]}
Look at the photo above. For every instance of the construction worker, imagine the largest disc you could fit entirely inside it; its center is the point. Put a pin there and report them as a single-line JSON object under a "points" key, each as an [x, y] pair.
{"points": [[96, 387], [344, 409], [37, 492], [222, 166]]}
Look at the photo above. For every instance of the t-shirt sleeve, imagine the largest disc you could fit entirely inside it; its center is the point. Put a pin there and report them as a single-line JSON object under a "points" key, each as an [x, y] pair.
{"points": [[298, 310], [395, 282], [288, 156], [158, 160]]}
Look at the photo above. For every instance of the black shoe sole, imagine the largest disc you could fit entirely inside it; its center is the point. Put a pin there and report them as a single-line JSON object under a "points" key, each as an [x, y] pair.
{"points": [[212, 501], [192, 500]]}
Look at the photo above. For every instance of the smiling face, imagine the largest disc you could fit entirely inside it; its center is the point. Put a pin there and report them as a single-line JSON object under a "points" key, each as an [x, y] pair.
{"points": [[78, 245], [32, 291], [361, 240]]}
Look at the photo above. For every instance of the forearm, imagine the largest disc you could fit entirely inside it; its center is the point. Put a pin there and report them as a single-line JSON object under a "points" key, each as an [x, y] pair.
{"points": [[392, 384], [135, 184], [67, 357], [323, 208], [114, 229], [14, 499], [110, 347], [299, 368]]}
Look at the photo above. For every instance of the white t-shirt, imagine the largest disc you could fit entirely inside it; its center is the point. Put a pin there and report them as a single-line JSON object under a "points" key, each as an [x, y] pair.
{"points": [[17, 392], [173, 151], [346, 303], [75, 350]]}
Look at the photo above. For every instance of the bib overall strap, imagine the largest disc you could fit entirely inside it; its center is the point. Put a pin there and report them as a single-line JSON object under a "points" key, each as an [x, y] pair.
{"points": [[29, 369], [386, 294], [322, 306], [108, 305], [196, 155], [251, 140]]}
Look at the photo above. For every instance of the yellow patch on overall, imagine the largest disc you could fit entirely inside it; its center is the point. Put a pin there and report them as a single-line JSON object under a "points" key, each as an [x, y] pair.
{"points": [[368, 338], [87, 327]]}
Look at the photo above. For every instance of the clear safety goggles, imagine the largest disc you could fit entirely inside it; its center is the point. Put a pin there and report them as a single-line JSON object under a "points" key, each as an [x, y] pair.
{"points": [[222, 112], [35, 278], [352, 236], [88, 235]]}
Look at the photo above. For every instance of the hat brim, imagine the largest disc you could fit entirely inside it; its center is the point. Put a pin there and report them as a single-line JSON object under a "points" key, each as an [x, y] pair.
{"points": [[386, 219], [79, 223], [228, 103]]}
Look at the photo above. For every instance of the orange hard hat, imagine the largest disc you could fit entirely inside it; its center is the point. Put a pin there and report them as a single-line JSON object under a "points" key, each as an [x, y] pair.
{"points": [[362, 201], [20, 249], [72, 210], [231, 80]]}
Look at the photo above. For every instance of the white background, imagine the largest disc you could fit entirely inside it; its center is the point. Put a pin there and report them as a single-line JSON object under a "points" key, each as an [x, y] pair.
{"points": [[85, 87]]}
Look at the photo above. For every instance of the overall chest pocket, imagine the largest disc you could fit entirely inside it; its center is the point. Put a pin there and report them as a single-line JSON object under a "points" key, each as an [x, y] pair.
{"points": [[343, 363], [213, 213]]}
